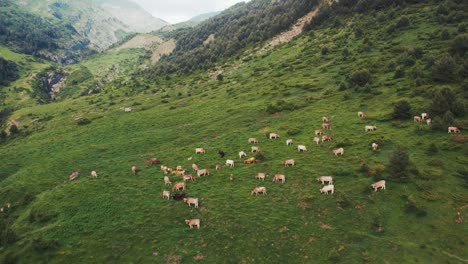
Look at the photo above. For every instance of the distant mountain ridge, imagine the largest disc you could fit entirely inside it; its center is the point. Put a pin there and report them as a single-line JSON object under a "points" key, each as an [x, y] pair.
{"points": [[89, 24]]}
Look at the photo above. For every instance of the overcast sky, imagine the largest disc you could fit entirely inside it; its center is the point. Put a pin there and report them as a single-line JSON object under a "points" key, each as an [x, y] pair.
{"points": [[174, 11]]}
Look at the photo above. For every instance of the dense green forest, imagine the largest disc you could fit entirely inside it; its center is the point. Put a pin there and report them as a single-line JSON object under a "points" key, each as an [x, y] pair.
{"points": [[8, 71], [28, 33], [242, 25]]}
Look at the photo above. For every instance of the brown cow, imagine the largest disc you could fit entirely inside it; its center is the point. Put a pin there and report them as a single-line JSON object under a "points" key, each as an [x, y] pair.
{"points": [[326, 126], [288, 162], [193, 222], [325, 119], [178, 186], [279, 178], [318, 132], [257, 190], [379, 184]]}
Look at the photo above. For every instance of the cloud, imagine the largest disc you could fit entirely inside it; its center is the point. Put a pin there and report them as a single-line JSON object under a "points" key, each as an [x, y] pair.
{"points": [[175, 11]]}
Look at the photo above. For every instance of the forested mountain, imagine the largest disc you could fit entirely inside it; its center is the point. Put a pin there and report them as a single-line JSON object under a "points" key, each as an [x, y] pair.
{"points": [[234, 29], [64, 31]]}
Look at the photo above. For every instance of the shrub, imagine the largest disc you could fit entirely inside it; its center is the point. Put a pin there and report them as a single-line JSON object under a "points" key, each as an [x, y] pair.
{"points": [[403, 22], [432, 149], [83, 121], [399, 72], [13, 129], [219, 77], [441, 102], [460, 45], [458, 107], [361, 77], [399, 162], [44, 244], [343, 86], [444, 69], [402, 110], [438, 124], [325, 51]]}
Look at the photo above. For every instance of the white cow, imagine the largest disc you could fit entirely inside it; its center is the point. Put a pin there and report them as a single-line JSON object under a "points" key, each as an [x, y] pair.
{"points": [[453, 129], [127, 109], [257, 190], [230, 163], [242, 154], [193, 201], [379, 184], [338, 151], [279, 178], [317, 140], [361, 114], [166, 194], [203, 172], [288, 162], [260, 176], [301, 148], [200, 151], [324, 179], [255, 149], [424, 115], [327, 189], [274, 136], [370, 128], [289, 142], [253, 140], [375, 146], [94, 174], [167, 181]]}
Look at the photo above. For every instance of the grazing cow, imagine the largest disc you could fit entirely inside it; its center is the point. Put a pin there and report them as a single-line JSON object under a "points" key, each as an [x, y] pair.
{"points": [[317, 140], [327, 138], [301, 148], [166, 194], [326, 126], [327, 189], [260, 176], [375, 146], [179, 168], [230, 163], [325, 119], [218, 166], [288, 162], [193, 222], [152, 161], [94, 174], [167, 181], [324, 179], [73, 176], [134, 170], [188, 177], [127, 109], [178, 173], [429, 121], [370, 128], [255, 149], [231, 177], [253, 140], [251, 160], [200, 151], [424, 115], [165, 169], [195, 167], [189, 158], [273, 136], [178, 186], [221, 153], [242, 154], [453, 129], [203, 172], [279, 178], [379, 184], [178, 196], [417, 119], [191, 201], [338, 151], [289, 142], [257, 190], [361, 114], [318, 132]]}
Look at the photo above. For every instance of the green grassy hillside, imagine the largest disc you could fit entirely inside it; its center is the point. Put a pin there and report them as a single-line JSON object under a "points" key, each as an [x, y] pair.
{"points": [[121, 218]]}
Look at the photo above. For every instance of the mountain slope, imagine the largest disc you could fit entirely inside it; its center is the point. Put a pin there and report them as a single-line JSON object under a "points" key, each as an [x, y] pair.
{"points": [[335, 69]]}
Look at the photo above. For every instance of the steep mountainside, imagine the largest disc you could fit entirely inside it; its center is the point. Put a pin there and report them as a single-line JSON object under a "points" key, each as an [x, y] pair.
{"points": [[101, 21], [392, 60]]}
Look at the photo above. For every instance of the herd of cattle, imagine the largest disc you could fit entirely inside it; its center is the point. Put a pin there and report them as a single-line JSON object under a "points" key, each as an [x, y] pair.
{"points": [[182, 172]]}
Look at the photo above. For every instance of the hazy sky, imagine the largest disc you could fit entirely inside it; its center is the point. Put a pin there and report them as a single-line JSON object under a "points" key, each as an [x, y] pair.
{"points": [[174, 11]]}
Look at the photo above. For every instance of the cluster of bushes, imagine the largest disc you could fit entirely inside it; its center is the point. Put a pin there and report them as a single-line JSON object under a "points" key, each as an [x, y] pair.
{"points": [[8, 71]]}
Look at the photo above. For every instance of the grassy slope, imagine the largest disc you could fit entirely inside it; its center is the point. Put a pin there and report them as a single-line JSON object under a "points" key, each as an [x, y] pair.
{"points": [[120, 217]]}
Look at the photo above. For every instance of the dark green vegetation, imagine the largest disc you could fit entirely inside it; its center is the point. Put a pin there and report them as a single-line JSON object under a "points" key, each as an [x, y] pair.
{"points": [[121, 218], [234, 29], [31, 34], [8, 71]]}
